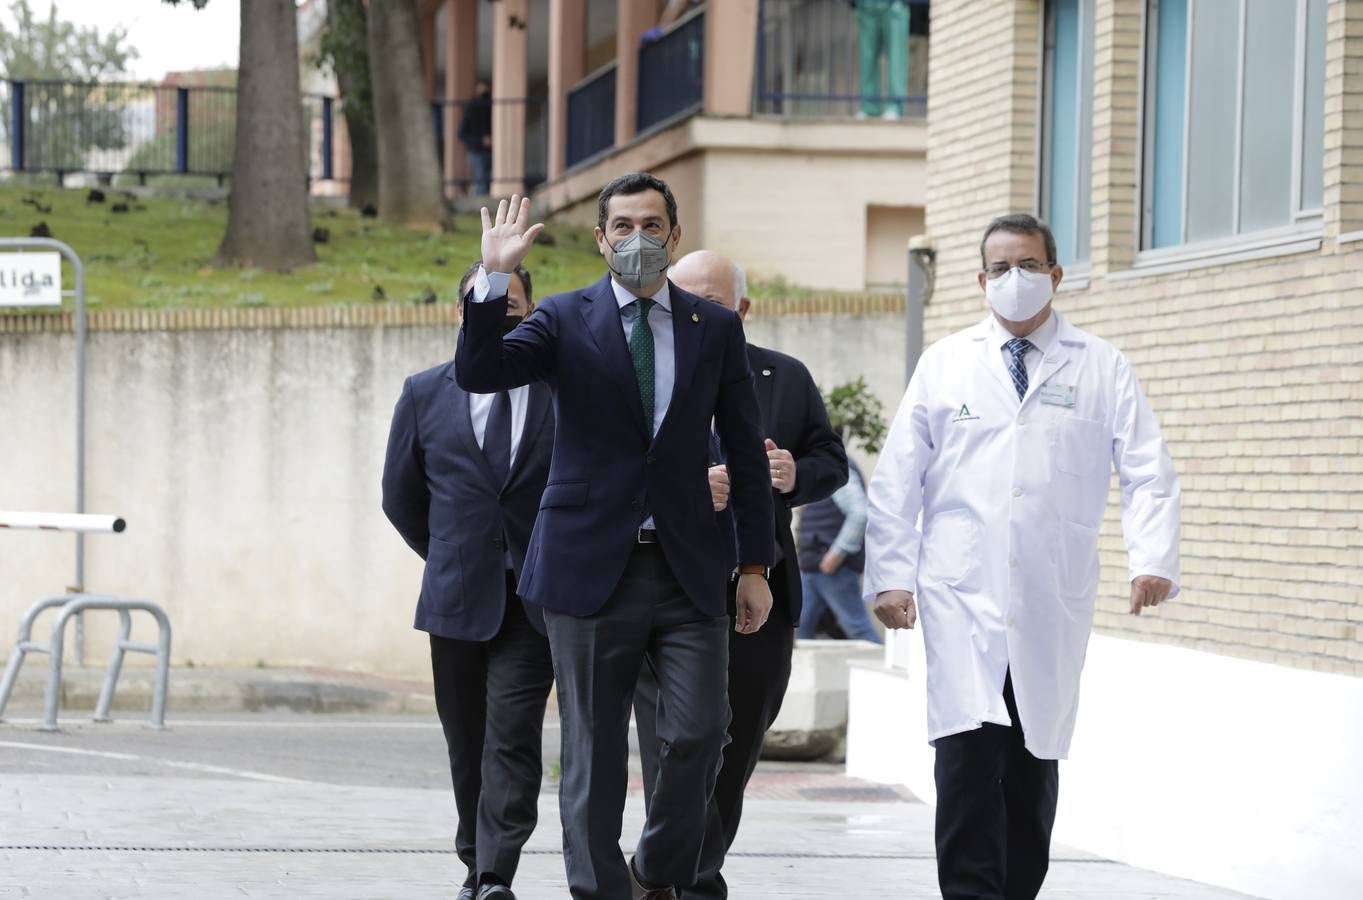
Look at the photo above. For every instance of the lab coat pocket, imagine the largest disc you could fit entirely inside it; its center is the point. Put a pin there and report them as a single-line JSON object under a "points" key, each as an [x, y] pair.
{"points": [[1077, 567], [1080, 446], [950, 553]]}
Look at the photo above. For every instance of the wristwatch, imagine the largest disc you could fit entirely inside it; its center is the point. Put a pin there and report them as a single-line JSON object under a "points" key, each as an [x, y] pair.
{"points": [[755, 569]]}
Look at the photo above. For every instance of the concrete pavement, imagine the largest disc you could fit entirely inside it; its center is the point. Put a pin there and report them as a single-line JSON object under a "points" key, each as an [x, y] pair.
{"points": [[286, 805]]}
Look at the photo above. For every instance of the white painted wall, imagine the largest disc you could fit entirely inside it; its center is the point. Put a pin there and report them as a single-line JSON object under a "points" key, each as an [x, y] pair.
{"points": [[1231, 772]]}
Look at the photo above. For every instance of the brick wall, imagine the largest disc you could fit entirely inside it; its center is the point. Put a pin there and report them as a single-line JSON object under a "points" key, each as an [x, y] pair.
{"points": [[1254, 368]]}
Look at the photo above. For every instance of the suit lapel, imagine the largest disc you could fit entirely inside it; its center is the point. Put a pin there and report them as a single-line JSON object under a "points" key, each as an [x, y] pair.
{"points": [[463, 429], [765, 374], [536, 409], [1058, 355], [602, 317], [688, 333]]}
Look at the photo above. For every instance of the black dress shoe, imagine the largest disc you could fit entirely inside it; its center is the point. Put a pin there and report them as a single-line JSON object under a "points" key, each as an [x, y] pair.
{"points": [[640, 892], [495, 892]]}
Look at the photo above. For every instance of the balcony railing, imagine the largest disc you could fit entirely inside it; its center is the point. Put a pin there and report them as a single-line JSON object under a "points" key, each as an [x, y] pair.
{"points": [[591, 116], [825, 58], [672, 72]]}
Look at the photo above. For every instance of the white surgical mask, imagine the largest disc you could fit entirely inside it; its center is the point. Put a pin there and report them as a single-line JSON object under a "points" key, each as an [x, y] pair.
{"points": [[1019, 295]]}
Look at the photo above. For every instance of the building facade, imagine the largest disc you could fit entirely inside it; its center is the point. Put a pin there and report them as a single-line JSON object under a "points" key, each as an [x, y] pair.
{"points": [[1201, 162], [792, 131]]}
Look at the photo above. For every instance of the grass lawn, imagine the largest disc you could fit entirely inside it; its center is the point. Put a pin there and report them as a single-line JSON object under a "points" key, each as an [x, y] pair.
{"points": [[159, 254]]}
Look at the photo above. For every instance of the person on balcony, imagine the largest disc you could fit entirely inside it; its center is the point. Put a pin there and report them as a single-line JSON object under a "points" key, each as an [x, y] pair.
{"points": [[475, 133], [883, 31]]}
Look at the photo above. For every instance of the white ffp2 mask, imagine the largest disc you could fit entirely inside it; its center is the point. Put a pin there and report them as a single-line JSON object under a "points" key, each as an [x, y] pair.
{"points": [[1019, 295]]}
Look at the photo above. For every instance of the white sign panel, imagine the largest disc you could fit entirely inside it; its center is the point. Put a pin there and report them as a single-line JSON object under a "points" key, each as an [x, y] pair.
{"points": [[30, 279]]}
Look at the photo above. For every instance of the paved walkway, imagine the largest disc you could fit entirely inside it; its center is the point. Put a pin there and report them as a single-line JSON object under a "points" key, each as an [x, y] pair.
{"points": [[312, 806]]}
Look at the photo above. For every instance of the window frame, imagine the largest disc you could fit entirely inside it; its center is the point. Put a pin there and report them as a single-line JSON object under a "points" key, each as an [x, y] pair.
{"points": [[1303, 226], [1085, 32]]}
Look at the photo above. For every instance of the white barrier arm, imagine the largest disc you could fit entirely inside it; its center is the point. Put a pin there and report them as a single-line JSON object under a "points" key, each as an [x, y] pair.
{"points": [[89, 524]]}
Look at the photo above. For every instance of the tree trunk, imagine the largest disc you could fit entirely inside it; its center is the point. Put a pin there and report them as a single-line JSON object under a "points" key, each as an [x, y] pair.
{"points": [[410, 189], [267, 212], [356, 106]]}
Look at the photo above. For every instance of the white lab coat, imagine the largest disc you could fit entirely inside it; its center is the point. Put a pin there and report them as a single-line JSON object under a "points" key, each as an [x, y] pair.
{"points": [[1005, 567]]}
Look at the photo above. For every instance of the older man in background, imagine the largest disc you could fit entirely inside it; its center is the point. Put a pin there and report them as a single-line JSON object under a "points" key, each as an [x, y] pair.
{"points": [[808, 463]]}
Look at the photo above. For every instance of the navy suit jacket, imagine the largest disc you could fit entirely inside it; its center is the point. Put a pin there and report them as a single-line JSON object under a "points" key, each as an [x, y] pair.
{"points": [[607, 470], [440, 494], [793, 416]]}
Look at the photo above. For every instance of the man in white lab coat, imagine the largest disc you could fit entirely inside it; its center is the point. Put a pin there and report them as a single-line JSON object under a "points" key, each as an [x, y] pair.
{"points": [[1004, 443]]}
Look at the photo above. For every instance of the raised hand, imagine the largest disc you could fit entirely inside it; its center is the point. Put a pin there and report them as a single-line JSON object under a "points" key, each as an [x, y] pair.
{"points": [[507, 239]]}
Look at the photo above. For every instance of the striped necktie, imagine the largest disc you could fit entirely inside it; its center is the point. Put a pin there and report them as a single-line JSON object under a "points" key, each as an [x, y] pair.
{"points": [[1018, 347]]}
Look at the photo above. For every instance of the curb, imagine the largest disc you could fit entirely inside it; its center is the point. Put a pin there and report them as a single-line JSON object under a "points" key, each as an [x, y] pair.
{"points": [[230, 691]]}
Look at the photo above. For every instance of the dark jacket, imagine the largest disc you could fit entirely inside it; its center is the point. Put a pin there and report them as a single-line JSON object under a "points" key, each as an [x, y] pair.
{"points": [[476, 122], [793, 416], [607, 467], [438, 492]]}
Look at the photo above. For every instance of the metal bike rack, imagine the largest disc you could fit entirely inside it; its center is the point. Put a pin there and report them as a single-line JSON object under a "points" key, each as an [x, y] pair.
{"points": [[71, 606]]}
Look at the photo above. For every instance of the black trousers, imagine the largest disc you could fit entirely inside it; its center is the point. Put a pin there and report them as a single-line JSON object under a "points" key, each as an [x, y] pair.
{"points": [[491, 699], [995, 808], [597, 658], [759, 672]]}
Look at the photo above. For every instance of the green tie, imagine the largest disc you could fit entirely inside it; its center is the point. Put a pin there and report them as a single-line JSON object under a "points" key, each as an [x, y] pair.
{"points": [[641, 349]]}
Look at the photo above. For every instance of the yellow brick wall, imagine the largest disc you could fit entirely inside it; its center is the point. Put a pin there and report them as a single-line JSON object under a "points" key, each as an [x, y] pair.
{"points": [[1255, 369]]}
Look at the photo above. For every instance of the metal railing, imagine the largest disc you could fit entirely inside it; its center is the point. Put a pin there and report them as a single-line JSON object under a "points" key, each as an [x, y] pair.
{"points": [[591, 116], [809, 61], [130, 133], [672, 73]]}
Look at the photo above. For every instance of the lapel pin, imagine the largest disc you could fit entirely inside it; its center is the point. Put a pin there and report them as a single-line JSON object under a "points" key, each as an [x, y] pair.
{"points": [[695, 317], [766, 371]]}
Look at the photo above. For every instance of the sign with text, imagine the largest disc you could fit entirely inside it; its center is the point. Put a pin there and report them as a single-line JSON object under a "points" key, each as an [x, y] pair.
{"points": [[30, 279]]}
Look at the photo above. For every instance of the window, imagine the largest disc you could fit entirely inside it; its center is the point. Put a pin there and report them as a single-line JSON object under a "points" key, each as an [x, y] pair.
{"points": [[1067, 126], [1233, 143]]}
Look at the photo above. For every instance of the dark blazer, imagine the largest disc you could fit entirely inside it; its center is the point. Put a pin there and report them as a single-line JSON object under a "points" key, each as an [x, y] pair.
{"points": [[438, 491], [793, 416], [607, 471]]}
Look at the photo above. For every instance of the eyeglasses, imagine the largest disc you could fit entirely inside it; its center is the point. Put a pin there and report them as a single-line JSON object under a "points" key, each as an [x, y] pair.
{"points": [[1031, 266]]}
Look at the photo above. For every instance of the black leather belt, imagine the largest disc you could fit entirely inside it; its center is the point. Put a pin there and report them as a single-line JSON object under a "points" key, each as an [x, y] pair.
{"points": [[648, 536]]}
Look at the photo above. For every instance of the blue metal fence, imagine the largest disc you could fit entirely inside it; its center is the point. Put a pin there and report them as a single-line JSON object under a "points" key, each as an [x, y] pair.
{"points": [[135, 132], [591, 116], [809, 61], [672, 73]]}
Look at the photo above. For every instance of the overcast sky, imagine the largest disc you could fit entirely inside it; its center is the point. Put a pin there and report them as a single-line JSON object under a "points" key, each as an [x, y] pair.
{"points": [[167, 38]]}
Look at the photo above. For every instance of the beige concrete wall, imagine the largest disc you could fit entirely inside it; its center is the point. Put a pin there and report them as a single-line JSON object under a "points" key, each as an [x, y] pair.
{"points": [[247, 462], [1253, 367]]}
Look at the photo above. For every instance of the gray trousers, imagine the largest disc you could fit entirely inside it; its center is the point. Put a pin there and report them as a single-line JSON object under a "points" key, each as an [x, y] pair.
{"points": [[648, 619]]}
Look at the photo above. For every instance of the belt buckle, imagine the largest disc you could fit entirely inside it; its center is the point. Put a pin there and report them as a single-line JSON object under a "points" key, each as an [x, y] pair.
{"points": [[647, 536]]}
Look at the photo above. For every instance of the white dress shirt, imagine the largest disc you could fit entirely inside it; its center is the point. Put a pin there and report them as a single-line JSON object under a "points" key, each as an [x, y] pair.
{"points": [[480, 407]]}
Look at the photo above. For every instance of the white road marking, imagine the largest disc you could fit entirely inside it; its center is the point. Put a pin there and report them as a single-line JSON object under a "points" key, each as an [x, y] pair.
{"points": [[169, 763]]}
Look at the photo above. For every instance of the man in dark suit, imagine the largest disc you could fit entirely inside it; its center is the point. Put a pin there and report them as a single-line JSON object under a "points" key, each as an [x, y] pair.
{"points": [[808, 463], [629, 559], [462, 483]]}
